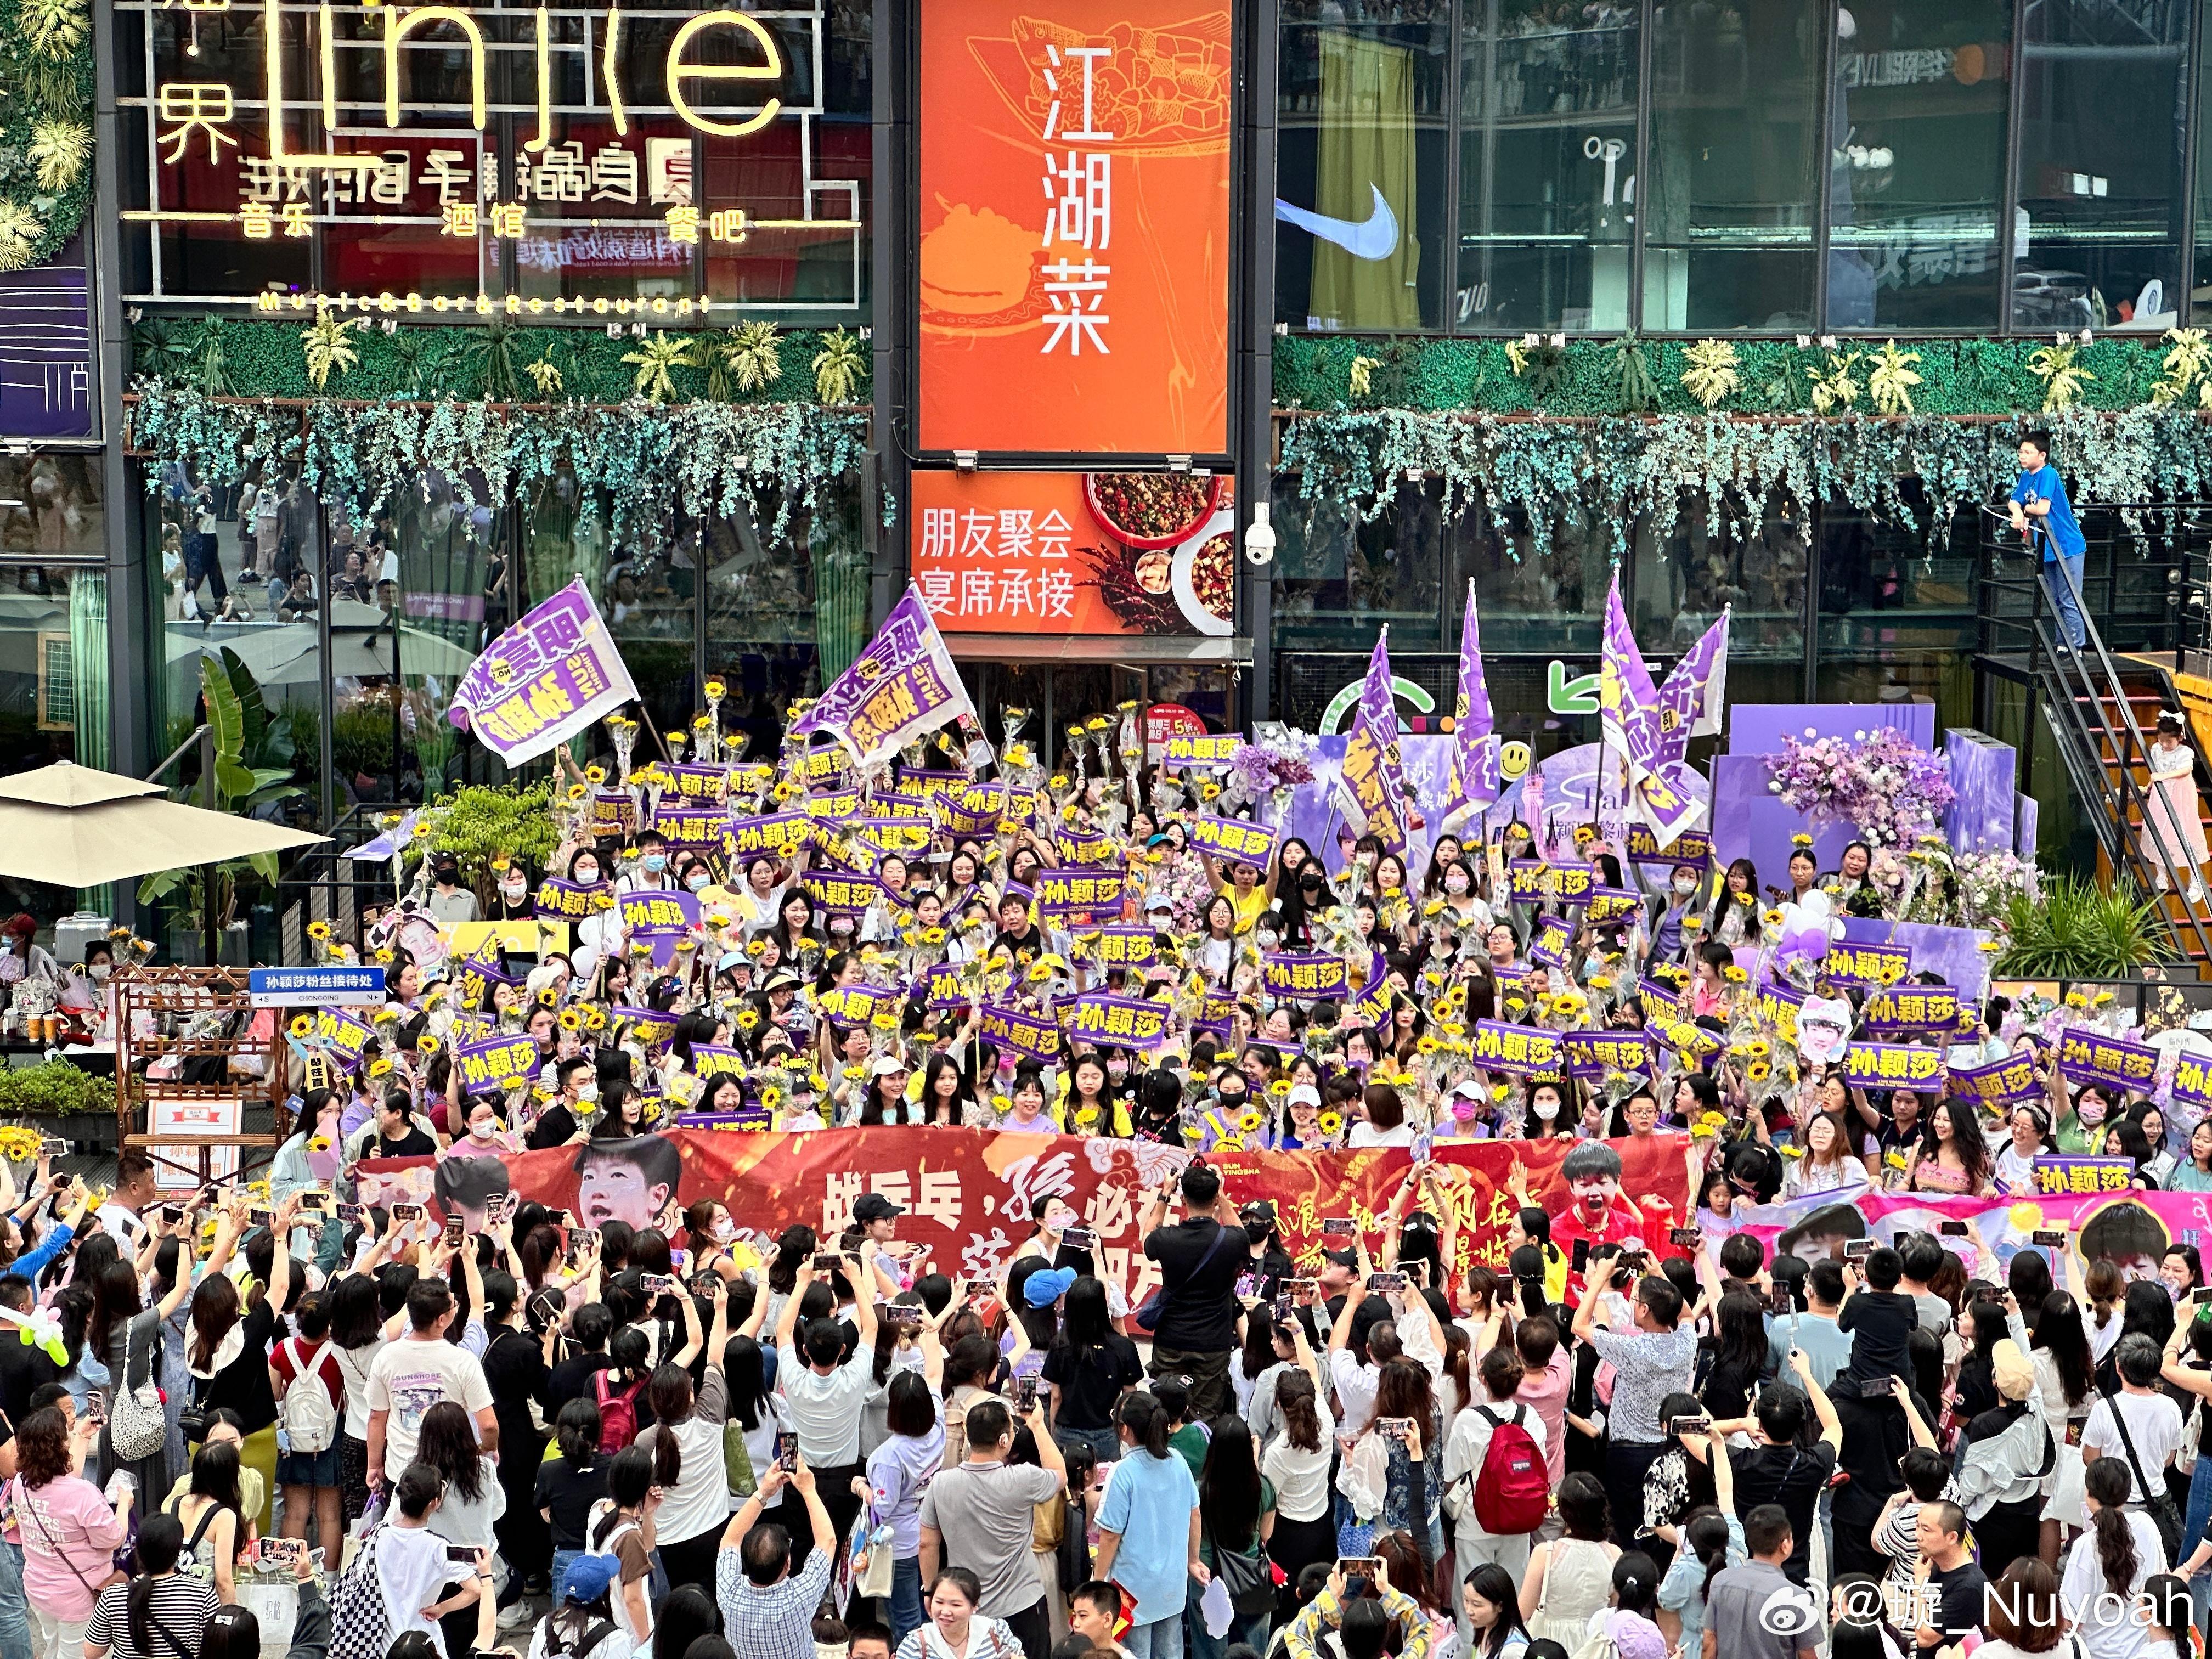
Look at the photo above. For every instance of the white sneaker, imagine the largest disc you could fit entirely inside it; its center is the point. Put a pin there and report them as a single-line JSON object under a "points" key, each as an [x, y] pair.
{"points": [[518, 1616], [2196, 893]]}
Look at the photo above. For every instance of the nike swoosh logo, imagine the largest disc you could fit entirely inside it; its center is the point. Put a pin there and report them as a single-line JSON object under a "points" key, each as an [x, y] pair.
{"points": [[1376, 238]]}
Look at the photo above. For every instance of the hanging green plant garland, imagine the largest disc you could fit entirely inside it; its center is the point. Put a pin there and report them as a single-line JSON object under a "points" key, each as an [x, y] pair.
{"points": [[350, 404], [46, 127]]}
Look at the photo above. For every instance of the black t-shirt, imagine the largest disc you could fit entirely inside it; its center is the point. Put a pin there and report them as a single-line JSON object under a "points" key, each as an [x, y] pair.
{"points": [[413, 1144], [514, 1371], [1199, 1270], [569, 1493], [242, 1386], [555, 1127], [1959, 1595], [572, 1380], [1791, 1478], [1089, 1387], [23, 1372]]}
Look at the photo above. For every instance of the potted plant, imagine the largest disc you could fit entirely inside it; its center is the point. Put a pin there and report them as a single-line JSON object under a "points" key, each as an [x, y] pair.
{"points": [[2074, 930], [57, 1098]]}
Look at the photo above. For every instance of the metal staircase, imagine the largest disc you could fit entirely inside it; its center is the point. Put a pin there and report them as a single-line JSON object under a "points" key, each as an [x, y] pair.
{"points": [[2100, 708]]}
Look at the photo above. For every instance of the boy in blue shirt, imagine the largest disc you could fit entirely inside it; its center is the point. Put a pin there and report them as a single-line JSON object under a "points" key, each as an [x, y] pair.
{"points": [[2040, 494]]}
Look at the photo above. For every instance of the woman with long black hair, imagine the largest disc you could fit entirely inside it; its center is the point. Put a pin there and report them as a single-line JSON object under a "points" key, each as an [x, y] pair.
{"points": [[158, 1614], [685, 1442], [1237, 1515]]}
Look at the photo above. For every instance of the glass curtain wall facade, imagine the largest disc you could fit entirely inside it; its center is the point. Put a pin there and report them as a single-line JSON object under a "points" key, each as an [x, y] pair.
{"points": [[1756, 165]]}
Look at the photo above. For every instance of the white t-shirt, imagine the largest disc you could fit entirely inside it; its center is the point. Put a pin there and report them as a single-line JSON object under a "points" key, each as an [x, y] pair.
{"points": [[2154, 1425], [1469, 1444], [354, 1365], [412, 1572], [408, 1378], [2109, 1629]]}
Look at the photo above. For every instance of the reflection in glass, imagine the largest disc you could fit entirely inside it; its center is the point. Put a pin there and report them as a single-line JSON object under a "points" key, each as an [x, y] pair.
{"points": [[1530, 602], [1360, 164], [1733, 190], [2104, 124], [774, 613], [1338, 580], [1683, 584], [1547, 164], [1897, 609], [1917, 141]]}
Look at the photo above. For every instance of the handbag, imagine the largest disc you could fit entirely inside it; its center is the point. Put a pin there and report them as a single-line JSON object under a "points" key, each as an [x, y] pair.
{"points": [[192, 1421], [1249, 1580], [136, 1426], [2157, 1504]]}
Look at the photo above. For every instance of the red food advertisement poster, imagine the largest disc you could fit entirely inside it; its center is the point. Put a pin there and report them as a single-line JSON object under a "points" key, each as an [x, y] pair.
{"points": [[1074, 255], [1076, 553]]}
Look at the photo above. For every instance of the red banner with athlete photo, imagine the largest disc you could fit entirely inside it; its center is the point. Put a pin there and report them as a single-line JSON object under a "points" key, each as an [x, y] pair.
{"points": [[969, 1194]]}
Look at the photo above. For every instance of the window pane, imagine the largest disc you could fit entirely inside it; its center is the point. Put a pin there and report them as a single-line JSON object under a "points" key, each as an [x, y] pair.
{"points": [[1733, 194], [645, 588], [1916, 146], [1897, 609], [2103, 123], [1339, 581], [1547, 165], [2201, 294], [1360, 164], [1551, 602], [1705, 565]]}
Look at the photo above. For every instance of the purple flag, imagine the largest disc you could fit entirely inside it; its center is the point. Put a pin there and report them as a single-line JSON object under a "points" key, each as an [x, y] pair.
{"points": [[901, 687], [1374, 781], [544, 680], [1476, 777], [1696, 689], [1640, 734]]}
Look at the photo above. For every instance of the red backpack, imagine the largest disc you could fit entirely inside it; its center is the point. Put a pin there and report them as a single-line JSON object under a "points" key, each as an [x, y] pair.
{"points": [[1513, 1488], [619, 1413]]}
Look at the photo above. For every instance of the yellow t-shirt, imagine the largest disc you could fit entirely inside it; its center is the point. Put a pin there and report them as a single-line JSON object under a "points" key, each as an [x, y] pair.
{"points": [[1250, 906]]}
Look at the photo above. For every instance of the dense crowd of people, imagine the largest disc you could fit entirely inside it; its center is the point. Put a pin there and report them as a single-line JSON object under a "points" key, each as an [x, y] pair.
{"points": [[1583, 1420]]}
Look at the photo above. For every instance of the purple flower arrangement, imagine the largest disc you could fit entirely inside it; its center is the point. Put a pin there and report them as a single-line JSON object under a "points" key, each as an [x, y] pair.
{"points": [[1879, 782]]}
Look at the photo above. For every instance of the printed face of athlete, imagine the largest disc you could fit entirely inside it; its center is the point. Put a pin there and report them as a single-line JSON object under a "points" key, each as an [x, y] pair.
{"points": [[616, 1189], [1594, 1193]]}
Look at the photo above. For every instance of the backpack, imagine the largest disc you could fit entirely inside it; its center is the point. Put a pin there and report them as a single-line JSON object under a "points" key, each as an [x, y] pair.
{"points": [[1513, 1489], [308, 1419], [618, 1412]]}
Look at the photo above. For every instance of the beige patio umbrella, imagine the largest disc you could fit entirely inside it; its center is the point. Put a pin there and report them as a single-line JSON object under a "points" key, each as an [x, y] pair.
{"points": [[76, 826]]}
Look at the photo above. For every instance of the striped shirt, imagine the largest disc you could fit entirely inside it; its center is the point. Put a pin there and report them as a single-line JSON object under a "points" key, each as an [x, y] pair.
{"points": [[183, 1604]]}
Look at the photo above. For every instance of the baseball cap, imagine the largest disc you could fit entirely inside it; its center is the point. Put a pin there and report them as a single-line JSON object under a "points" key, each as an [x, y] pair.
{"points": [[1342, 1258], [1041, 1289], [1159, 901], [588, 1578], [1304, 1094], [874, 1206], [887, 1064]]}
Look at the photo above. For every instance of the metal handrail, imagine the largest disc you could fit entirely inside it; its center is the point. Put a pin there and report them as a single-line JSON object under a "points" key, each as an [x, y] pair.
{"points": [[2051, 660]]}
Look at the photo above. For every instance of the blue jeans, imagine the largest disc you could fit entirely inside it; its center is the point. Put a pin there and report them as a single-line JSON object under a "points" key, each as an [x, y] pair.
{"points": [[14, 1612], [1105, 1443], [906, 1598], [2200, 1506], [560, 1560], [2063, 591], [1161, 1639]]}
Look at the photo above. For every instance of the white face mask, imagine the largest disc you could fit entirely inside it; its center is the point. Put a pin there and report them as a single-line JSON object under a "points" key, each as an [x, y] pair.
{"points": [[589, 1091], [1455, 885], [515, 890], [586, 875], [1546, 1109], [1685, 884], [485, 1130], [98, 972]]}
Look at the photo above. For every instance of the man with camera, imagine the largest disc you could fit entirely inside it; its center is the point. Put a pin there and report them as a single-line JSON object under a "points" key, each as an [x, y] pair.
{"points": [[1652, 1360], [1201, 1259]]}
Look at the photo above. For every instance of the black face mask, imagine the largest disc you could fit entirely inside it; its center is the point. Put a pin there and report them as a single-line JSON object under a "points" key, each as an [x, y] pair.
{"points": [[1256, 1233], [1232, 1100]]}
